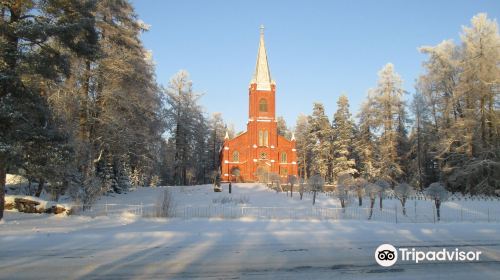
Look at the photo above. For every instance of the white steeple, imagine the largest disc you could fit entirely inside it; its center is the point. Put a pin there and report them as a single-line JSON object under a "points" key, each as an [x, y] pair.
{"points": [[227, 135], [262, 75]]}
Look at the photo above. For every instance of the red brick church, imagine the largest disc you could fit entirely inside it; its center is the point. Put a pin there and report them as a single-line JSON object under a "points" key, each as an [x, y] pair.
{"points": [[259, 150]]}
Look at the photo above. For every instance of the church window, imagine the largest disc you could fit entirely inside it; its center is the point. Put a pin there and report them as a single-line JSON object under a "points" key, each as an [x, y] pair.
{"points": [[283, 157], [263, 105], [236, 156], [266, 138], [261, 138], [283, 171]]}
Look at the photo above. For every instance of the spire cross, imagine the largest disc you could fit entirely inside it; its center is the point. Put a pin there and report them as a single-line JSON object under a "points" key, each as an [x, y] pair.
{"points": [[262, 29]]}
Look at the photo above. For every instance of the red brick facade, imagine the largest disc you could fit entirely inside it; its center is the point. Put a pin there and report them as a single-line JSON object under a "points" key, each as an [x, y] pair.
{"points": [[260, 147]]}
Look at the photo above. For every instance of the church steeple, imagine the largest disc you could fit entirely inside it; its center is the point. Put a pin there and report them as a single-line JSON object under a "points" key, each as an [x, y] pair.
{"points": [[262, 75]]}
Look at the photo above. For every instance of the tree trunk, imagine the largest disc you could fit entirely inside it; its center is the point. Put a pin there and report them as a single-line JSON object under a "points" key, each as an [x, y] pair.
{"points": [[438, 206], [314, 197], [380, 201], [360, 201], [3, 179], [372, 203], [403, 203], [41, 183], [291, 190]]}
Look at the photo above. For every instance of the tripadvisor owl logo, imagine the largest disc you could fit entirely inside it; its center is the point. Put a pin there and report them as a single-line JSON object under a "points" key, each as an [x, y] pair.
{"points": [[386, 255]]}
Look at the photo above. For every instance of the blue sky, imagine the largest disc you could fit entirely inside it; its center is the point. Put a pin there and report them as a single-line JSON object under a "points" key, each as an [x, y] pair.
{"points": [[316, 49]]}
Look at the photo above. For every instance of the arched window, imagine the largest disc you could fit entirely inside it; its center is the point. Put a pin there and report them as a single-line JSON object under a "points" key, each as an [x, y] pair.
{"points": [[283, 157], [236, 156], [263, 105], [261, 138], [266, 138]]}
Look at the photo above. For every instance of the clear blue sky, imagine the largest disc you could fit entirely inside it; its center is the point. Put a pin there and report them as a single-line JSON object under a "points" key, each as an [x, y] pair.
{"points": [[316, 49]]}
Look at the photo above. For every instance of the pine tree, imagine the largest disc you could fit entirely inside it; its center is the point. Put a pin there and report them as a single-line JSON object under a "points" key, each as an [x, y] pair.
{"points": [[386, 103], [343, 128], [303, 145], [320, 133]]}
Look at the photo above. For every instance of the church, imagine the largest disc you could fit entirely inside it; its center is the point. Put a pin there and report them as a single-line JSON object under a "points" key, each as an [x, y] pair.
{"points": [[259, 150]]}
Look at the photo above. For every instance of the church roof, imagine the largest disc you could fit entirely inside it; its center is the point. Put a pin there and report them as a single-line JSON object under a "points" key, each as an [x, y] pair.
{"points": [[262, 75]]}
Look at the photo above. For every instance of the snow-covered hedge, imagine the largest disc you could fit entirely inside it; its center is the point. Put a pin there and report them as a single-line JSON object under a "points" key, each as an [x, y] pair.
{"points": [[31, 204]]}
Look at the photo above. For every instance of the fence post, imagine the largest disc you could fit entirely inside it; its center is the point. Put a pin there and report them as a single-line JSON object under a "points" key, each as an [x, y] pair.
{"points": [[142, 213], [396, 212], [461, 214], [434, 213], [488, 215], [106, 208]]}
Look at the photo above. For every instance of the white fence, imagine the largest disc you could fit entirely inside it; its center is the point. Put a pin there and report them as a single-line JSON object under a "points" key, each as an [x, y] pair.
{"points": [[388, 214]]}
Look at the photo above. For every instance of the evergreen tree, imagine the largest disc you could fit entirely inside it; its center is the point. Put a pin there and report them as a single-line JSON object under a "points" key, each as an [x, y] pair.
{"points": [[320, 133], [343, 128]]}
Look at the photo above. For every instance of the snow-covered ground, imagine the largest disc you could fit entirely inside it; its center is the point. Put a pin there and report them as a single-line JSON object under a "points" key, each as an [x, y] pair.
{"points": [[123, 246]]}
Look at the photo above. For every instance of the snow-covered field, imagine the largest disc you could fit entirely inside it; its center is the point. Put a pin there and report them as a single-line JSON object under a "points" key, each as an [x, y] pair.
{"points": [[123, 246]]}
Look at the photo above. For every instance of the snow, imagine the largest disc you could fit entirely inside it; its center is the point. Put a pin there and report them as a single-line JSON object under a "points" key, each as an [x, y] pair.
{"points": [[125, 246]]}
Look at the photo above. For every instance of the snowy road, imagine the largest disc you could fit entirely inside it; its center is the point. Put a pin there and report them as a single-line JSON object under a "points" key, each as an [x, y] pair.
{"points": [[127, 247]]}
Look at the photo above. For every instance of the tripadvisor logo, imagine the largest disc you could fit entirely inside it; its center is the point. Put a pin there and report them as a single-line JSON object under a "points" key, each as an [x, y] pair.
{"points": [[387, 255]]}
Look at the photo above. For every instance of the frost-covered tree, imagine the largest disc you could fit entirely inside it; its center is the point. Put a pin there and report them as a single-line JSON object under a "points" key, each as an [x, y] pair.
{"points": [[320, 133], [343, 128], [365, 145], [438, 193], [402, 191], [283, 128], [372, 190], [35, 37], [384, 188], [460, 87], [316, 184], [292, 180], [303, 145], [184, 118], [345, 182], [386, 102]]}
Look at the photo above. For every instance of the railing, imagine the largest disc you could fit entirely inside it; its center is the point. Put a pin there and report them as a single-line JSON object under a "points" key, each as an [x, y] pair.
{"points": [[392, 214]]}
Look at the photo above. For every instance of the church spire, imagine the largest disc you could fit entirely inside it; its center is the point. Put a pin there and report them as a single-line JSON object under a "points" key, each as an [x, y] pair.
{"points": [[262, 75]]}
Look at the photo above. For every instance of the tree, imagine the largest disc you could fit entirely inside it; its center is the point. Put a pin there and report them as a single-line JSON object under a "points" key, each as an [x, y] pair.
{"points": [[343, 128], [184, 116], [364, 144], [359, 188], [402, 191], [345, 182], [372, 190], [33, 40], [303, 145], [438, 193], [316, 184], [320, 134], [387, 107], [292, 180], [384, 187], [283, 129]]}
